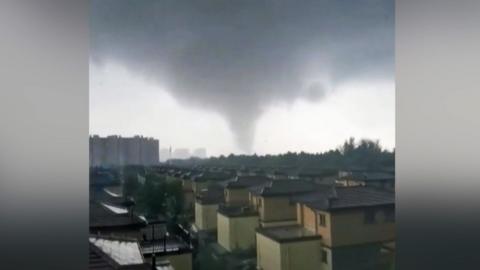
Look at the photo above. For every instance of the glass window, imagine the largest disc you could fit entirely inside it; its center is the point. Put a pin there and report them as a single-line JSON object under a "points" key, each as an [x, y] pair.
{"points": [[322, 220]]}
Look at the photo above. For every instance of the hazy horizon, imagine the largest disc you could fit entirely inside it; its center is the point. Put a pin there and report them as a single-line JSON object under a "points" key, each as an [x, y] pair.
{"points": [[251, 77]]}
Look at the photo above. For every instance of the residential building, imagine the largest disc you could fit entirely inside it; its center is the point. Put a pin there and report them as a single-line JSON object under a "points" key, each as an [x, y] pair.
{"points": [[273, 201], [206, 206], [116, 151], [288, 248], [372, 179], [237, 189], [236, 227], [236, 218], [356, 226]]}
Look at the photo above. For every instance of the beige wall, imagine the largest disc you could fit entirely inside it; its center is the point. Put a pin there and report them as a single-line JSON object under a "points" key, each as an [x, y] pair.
{"points": [[180, 261], [349, 228], [346, 227], [236, 232], [276, 209], [300, 255], [236, 196], [268, 253], [206, 216]]}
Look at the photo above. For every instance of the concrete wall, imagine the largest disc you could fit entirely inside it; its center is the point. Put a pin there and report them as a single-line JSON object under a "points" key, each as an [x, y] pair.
{"points": [[206, 216], [346, 227], [236, 196], [268, 253], [300, 255], [276, 209], [236, 232], [349, 228]]}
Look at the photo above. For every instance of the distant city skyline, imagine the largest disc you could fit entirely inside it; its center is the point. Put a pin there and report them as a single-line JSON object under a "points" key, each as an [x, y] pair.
{"points": [[253, 77]]}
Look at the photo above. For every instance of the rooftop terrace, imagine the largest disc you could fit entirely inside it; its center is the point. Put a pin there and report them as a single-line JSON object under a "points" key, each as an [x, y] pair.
{"points": [[288, 233]]}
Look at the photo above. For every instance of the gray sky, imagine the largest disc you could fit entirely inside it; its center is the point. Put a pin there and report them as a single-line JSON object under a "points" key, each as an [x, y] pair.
{"points": [[243, 76]]}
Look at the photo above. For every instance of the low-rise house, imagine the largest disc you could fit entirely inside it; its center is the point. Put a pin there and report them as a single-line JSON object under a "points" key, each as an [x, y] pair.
{"points": [[288, 248], [204, 179], [273, 201], [206, 206], [117, 220], [237, 189], [371, 179], [355, 225], [236, 227]]}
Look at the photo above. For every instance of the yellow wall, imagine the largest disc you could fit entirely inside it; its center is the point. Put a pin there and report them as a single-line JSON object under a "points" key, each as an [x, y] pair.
{"points": [[268, 253], [276, 209], [299, 255], [180, 261], [206, 216], [346, 227], [236, 232], [236, 196], [349, 228]]}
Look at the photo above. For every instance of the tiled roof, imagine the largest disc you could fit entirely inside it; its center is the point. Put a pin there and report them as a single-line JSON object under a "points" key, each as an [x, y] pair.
{"points": [[283, 187], [211, 176], [247, 181], [334, 198], [102, 216], [213, 194]]}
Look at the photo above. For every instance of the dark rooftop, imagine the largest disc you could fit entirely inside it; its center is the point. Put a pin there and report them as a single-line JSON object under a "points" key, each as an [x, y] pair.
{"points": [[335, 198], [247, 181], [212, 195], [211, 176], [107, 215], [237, 211], [288, 233], [370, 176], [283, 187]]}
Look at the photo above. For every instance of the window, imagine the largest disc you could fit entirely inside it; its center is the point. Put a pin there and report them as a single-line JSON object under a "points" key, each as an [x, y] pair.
{"points": [[322, 220], [369, 216], [324, 256]]}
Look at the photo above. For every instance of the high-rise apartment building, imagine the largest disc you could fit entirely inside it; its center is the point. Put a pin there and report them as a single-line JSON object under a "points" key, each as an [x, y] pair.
{"points": [[116, 150]]}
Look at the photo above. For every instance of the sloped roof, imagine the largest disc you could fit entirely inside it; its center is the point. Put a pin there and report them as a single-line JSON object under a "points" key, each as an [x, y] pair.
{"points": [[247, 181], [212, 195], [283, 187], [104, 215], [334, 198]]}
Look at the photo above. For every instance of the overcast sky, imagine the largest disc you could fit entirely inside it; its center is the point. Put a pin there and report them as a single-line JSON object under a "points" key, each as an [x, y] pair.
{"points": [[243, 76]]}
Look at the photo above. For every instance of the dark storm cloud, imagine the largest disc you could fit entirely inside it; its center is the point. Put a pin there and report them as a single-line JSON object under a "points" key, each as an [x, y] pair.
{"points": [[236, 57]]}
